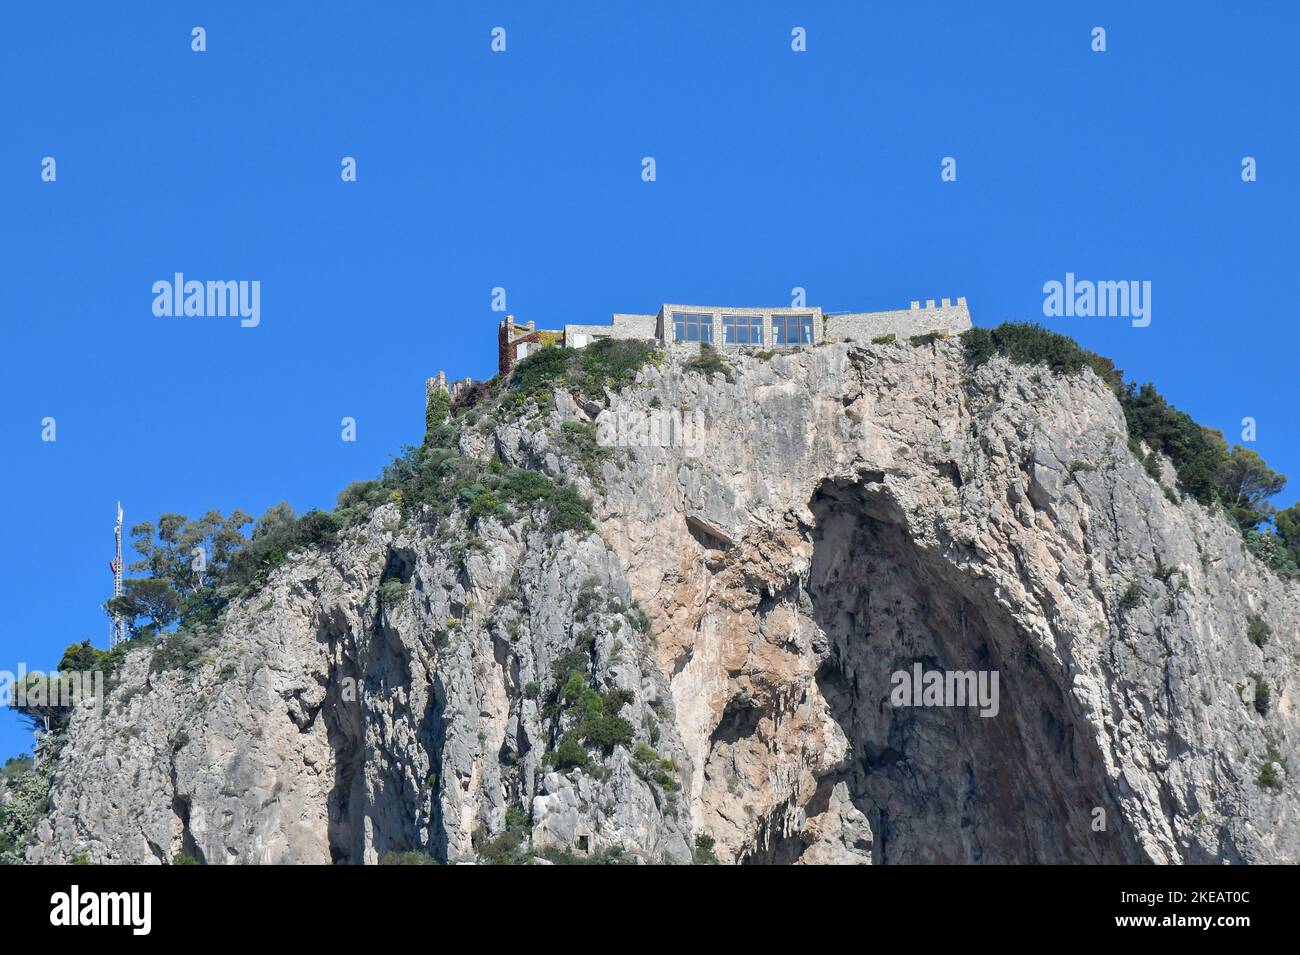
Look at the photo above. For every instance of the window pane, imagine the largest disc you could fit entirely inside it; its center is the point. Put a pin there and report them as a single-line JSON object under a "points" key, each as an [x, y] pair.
{"points": [[742, 329], [689, 327], [792, 329]]}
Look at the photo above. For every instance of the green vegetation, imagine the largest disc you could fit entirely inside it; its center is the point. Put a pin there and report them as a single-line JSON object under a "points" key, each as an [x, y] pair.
{"points": [[1236, 479], [605, 365], [579, 443], [45, 696], [24, 791], [1131, 598], [929, 338], [595, 718], [1262, 694], [440, 480], [1257, 631], [438, 430], [391, 592], [181, 858], [650, 765], [1268, 777], [709, 362], [407, 858], [1034, 345], [704, 854], [580, 716], [568, 754], [190, 569], [508, 848], [15, 768], [883, 339], [611, 855]]}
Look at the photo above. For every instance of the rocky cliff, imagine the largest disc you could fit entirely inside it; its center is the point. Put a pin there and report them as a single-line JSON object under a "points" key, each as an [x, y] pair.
{"points": [[839, 515]]}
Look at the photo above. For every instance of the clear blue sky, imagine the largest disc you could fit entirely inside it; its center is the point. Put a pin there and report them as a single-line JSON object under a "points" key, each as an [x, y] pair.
{"points": [[775, 169]]}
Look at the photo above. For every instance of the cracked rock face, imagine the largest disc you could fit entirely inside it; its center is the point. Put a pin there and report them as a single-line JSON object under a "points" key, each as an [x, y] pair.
{"points": [[844, 515]]}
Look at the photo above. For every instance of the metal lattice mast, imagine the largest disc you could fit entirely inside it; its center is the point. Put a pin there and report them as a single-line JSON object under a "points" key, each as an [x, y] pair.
{"points": [[117, 626]]}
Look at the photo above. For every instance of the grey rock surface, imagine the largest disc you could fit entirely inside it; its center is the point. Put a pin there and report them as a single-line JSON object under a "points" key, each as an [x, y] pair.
{"points": [[855, 510]]}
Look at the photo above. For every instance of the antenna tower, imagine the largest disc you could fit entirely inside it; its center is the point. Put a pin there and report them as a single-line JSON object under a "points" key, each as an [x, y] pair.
{"points": [[117, 625]]}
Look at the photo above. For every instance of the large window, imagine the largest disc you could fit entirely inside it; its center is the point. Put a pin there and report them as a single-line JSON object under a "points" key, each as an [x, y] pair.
{"points": [[792, 329], [690, 327], [742, 329]]}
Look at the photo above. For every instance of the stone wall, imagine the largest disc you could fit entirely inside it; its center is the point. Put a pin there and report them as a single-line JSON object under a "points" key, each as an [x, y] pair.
{"points": [[623, 326], [902, 323]]}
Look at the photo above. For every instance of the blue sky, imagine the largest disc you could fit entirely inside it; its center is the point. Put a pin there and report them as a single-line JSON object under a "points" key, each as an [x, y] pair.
{"points": [[522, 169]]}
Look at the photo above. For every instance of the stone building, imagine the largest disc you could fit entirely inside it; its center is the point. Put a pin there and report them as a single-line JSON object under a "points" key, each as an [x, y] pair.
{"points": [[689, 326]]}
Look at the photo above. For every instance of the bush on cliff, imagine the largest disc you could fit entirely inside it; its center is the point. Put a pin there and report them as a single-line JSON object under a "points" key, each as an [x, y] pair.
{"points": [[1237, 480], [24, 793], [608, 364]]}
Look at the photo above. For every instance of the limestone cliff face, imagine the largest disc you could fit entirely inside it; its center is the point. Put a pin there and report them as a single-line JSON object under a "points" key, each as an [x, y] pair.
{"points": [[845, 513]]}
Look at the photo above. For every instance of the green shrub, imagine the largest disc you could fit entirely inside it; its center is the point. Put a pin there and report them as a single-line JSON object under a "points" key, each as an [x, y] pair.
{"points": [[614, 700], [1268, 777], [666, 781], [709, 362], [183, 650], [1262, 694], [1269, 548], [640, 620], [704, 854], [407, 858], [541, 371], [567, 511], [612, 855], [1195, 454], [524, 487], [569, 754], [25, 790], [605, 365], [391, 592], [883, 339], [1132, 597], [438, 432], [1027, 344], [508, 848], [1257, 630], [181, 858], [929, 338], [485, 504], [611, 364], [606, 731]]}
